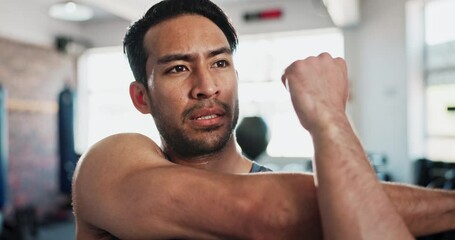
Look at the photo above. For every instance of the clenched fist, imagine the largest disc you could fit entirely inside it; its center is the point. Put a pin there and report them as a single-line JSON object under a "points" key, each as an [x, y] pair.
{"points": [[319, 90]]}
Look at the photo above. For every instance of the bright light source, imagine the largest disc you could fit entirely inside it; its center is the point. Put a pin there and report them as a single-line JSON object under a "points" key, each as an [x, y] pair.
{"points": [[70, 7], [439, 19], [71, 11]]}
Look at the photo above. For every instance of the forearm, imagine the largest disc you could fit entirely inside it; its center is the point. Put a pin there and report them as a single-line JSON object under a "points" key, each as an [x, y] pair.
{"points": [[352, 203], [425, 211]]}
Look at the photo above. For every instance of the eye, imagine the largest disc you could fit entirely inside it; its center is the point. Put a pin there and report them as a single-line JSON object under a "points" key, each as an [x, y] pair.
{"points": [[177, 69], [221, 64]]}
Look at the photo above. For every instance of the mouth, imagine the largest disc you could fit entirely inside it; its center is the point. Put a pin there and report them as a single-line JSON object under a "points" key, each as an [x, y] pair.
{"points": [[207, 114], [207, 117], [205, 122]]}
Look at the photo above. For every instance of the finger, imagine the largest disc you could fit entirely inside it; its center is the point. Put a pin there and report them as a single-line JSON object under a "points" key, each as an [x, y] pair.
{"points": [[341, 63], [325, 55], [286, 73], [285, 81]]}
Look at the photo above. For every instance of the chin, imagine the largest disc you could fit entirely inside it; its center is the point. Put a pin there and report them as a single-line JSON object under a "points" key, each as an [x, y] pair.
{"points": [[208, 144], [214, 142]]}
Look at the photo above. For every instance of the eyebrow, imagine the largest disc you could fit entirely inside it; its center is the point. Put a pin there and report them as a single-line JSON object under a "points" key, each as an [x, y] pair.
{"points": [[223, 50], [188, 57]]}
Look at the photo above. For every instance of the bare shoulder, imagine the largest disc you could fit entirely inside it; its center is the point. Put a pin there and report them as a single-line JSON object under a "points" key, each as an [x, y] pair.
{"points": [[105, 165], [121, 145], [117, 155]]}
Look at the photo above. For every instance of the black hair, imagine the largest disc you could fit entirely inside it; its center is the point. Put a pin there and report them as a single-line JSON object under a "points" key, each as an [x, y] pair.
{"points": [[133, 43]]}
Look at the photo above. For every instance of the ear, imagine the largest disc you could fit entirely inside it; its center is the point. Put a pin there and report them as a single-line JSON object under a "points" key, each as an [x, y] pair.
{"points": [[138, 94]]}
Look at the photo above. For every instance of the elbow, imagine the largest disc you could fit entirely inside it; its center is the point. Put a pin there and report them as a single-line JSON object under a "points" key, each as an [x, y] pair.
{"points": [[286, 214]]}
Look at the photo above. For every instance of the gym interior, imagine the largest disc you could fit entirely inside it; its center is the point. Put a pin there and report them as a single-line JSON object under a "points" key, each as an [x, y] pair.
{"points": [[64, 86]]}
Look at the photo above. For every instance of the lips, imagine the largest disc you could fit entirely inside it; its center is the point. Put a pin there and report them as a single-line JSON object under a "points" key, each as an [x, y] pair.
{"points": [[206, 117], [207, 113]]}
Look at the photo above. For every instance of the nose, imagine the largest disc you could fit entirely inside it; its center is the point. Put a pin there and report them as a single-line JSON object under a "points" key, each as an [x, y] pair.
{"points": [[204, 85]]}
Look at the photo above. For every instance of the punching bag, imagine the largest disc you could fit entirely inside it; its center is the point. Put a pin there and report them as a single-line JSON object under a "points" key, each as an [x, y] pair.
{"points": [[68, 156], [3, 148], [252, 136]]}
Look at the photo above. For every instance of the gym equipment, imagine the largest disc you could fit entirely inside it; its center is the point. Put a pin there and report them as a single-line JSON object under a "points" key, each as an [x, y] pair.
{"points": [[3, 154], [68, 156], [23, 225], [379, 164], [436, 174], [252, 136], [3, 149]]}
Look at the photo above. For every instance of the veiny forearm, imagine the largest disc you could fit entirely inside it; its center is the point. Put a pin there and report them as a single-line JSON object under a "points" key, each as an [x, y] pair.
{"points": [[425, 211], [352, 203]]}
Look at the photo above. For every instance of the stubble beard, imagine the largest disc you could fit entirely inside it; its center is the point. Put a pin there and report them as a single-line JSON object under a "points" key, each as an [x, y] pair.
{"points": [[207, 141]]}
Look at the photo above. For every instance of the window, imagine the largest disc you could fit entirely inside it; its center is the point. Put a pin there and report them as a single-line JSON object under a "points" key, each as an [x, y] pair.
{"points": [[440, 80], [104, 106]]}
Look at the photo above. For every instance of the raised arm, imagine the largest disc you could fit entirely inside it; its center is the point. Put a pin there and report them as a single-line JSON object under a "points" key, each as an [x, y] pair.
{"points": [[124, 187], [352, 203]]}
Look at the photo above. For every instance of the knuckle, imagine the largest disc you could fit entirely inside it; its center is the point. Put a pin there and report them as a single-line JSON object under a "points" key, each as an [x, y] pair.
{"points": [[325, 55], [340, 60], [298, 63], [294, 66]]}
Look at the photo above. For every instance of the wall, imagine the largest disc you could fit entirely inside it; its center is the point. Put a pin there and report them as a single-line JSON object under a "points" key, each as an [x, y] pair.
{"points": [[33, 76], [376, 57], [105, 33]]}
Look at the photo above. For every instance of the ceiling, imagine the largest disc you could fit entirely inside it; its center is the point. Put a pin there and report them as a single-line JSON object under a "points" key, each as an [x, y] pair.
{"points": [[343, 12], [131, 9]]}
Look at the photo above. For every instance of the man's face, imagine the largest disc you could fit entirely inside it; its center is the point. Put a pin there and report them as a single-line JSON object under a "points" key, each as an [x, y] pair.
{"points": [[192, 85]]}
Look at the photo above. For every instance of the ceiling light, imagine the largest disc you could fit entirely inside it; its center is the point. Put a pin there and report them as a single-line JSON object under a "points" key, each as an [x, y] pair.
{"points": [[71, 11]]}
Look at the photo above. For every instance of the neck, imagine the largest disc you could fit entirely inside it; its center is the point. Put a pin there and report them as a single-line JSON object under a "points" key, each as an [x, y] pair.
{"points": [[227, 160]]}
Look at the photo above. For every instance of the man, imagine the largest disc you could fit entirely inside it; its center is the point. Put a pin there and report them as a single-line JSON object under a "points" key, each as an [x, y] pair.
{"points": [[196, 185]]}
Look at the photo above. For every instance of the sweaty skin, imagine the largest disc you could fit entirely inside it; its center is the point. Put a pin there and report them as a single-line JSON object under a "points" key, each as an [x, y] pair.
{"points": [[128, 187]]}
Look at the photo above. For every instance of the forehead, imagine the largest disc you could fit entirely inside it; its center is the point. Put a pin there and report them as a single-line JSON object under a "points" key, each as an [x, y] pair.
{"points": [[184, 34]]}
